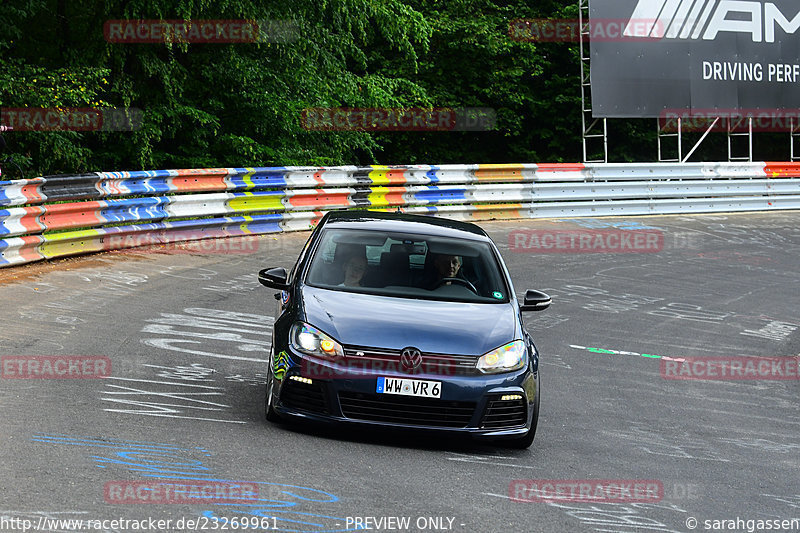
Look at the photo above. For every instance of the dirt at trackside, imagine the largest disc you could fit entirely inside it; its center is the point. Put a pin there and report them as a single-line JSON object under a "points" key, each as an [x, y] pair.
{"points": [[29, 271]]}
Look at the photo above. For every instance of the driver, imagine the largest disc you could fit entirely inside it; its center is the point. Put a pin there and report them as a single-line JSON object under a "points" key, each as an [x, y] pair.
{"points": [[444, 266], [447, 266]]}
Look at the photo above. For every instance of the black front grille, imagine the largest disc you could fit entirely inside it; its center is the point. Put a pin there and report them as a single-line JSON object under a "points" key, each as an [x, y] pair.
{"points": [[305, 397], [432, 363], [504, 414], [406, 410]]}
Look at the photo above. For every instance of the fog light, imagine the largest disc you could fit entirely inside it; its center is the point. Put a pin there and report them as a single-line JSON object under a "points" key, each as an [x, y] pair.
{"points": [[301, 379], [510, 397]]}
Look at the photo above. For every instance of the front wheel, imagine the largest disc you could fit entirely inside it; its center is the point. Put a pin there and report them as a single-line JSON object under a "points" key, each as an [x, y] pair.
{"points": [[269, 409], [527, 439]]}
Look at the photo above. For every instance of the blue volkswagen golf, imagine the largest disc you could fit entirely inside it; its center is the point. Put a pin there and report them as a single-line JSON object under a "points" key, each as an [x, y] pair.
{"points": [[404, 321]]}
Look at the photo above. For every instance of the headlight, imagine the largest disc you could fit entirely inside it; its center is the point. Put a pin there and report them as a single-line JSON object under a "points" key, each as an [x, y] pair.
{"points": [[311, 341], [503, 359]]}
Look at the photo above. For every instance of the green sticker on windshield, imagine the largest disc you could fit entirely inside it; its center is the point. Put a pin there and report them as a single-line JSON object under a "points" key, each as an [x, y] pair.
{"points": [[498, 295]]}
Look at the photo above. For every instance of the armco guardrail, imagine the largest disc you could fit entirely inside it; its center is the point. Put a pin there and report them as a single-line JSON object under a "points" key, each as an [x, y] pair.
{"points": [[55, 216]]}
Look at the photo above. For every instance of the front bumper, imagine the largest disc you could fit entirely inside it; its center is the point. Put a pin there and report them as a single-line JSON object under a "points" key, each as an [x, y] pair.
{"points": [[326, 392]]}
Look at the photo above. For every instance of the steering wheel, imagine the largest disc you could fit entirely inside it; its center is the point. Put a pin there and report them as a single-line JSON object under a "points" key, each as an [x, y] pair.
{"points": [[461, 281]]}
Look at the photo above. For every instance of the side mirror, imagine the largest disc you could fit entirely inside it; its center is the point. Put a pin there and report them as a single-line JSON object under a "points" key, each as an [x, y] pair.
{"points": [[535, 301], [274, 278]]}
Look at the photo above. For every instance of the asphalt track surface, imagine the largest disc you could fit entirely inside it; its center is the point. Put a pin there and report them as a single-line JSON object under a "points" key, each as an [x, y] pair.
{"points": [[187, 332]]}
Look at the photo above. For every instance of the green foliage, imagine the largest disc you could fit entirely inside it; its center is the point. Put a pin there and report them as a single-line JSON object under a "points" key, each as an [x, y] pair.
{"points": [[212, 105], [473, 63]]}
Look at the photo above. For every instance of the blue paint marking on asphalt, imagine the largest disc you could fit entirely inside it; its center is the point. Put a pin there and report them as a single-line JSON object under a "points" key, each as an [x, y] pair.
{"points": [[166, 461], [330, 498]]}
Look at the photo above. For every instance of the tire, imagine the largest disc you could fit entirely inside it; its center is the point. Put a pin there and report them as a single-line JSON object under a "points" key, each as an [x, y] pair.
{"points": [[526, 440], [269, 410]]}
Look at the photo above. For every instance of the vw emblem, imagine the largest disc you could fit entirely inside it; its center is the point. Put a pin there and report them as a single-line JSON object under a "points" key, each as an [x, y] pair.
{"points": [[410, 360]]}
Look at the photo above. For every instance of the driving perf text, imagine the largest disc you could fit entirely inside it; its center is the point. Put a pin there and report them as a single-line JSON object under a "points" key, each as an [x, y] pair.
{"points": [[755, 72]]}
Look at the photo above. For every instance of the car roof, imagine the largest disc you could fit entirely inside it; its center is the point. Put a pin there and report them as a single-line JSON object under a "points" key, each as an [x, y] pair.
{"points": [[401, 222]]}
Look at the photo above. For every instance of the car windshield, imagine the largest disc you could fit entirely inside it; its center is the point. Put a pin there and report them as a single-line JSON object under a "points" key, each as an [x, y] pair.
{"points": [[406, 265]]}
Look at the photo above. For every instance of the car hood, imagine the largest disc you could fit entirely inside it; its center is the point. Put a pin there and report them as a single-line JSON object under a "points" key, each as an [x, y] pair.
{"points": [[455, 328]]}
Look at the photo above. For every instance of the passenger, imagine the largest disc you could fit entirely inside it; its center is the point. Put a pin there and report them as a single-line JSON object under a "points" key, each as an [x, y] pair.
{"points": [[354, 269]]}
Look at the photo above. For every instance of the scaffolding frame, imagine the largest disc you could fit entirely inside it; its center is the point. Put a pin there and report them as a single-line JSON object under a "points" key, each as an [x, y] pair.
{"points": [[592, 129], [679, 136], [663, 136], [732, 133]]}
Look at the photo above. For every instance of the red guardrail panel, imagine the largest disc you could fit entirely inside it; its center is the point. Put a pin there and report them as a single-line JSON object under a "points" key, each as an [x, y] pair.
{"points": [[72, 215], [782, 170]]}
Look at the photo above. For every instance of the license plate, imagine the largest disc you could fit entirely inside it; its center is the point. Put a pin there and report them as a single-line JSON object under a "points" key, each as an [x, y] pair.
{"points": [[410, 387]]}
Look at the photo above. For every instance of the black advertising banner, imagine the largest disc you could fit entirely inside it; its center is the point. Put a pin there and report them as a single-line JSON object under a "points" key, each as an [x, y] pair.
{"points": [[651, 58]]}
